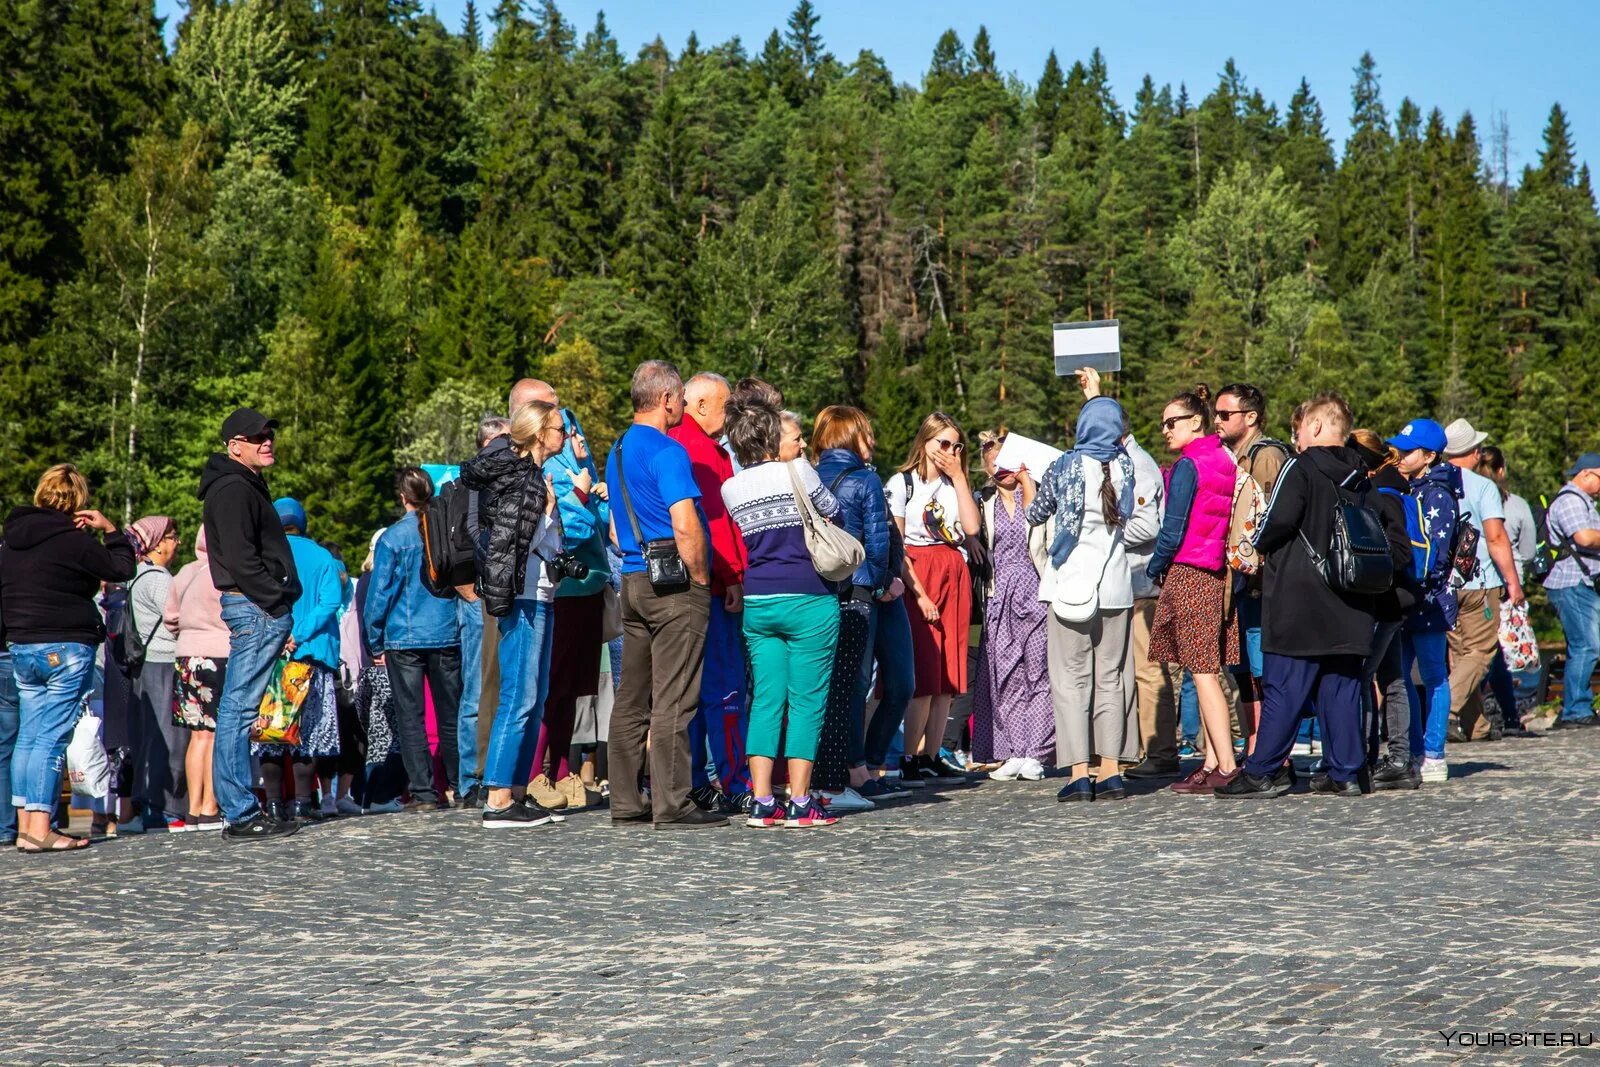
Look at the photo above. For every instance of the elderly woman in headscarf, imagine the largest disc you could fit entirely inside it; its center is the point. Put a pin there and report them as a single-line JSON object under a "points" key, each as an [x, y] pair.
{"points": [[1086, 502], [149, 652]]}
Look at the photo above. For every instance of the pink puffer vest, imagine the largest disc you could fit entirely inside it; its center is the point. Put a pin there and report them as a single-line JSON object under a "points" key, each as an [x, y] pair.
{"points": [[1205, 540]]}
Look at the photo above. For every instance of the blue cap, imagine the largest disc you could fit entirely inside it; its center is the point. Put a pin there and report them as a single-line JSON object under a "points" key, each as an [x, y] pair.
{"points": [[290, 513], [1586, 462], [1419, 433]]}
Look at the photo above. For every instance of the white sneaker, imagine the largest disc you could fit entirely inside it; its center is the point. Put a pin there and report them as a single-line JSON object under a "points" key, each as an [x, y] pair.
{"points": [[847, 802], [388, 807], [347, 806], [1435, 770], [1010, 770], [1032, 770]]}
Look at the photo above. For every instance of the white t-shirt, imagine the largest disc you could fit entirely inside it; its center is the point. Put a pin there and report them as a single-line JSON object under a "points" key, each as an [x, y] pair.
{"points": [[932, 514]]}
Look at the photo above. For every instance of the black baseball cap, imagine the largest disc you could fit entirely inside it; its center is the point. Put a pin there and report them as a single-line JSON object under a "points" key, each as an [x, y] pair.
{"points": [[246, 422]]}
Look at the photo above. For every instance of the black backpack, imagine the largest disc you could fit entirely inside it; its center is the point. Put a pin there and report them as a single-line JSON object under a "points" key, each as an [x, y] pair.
{"points": [[1358, 560], [448, 557], [128, 645]]}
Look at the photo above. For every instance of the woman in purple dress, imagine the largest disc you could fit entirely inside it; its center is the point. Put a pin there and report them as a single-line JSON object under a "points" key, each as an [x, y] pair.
{"points": [[1012, 716]]}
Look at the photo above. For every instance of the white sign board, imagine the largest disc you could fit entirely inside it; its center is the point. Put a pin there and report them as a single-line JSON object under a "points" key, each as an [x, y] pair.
{"points": [[1088, 344], [1017, 452]]}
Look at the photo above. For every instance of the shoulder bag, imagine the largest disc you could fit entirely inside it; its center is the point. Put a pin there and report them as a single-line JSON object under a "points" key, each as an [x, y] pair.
{"points": [[663, 563], [834, 553]]}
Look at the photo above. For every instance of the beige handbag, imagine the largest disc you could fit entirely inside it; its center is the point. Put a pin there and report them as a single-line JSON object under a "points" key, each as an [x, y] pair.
{"points": [[834, 553]]}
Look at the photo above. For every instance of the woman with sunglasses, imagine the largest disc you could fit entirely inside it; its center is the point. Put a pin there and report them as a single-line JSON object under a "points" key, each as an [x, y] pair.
{"points": [[1193, 625], [934, 508], [1012, 720]]}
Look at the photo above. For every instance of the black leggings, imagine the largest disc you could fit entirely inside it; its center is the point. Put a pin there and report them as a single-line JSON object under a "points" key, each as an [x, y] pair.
{"points": [[272, 777]]}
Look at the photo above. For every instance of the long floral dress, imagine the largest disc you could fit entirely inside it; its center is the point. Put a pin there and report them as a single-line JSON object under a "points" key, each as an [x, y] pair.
{"points": [[1011, 710]]}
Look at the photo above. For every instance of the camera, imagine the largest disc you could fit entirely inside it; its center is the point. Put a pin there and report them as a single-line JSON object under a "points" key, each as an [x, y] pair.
{"points": [[564, 566]]}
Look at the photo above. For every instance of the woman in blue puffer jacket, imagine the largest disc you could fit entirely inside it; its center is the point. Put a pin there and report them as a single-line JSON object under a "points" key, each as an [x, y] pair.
{"points": [[842, 445]]}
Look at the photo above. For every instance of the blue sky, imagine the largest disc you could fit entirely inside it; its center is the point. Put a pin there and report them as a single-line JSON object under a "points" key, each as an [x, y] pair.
{"points": [[1486, 57]]}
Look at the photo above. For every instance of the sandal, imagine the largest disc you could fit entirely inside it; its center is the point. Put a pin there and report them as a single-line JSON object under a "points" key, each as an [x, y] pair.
{"points": [[50, 842]]}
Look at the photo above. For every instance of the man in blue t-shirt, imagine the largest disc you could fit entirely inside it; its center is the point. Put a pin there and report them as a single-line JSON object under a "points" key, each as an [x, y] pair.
{"points": [[654, 498]]}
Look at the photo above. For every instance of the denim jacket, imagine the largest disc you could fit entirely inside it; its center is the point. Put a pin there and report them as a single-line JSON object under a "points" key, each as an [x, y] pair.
{"points": [[400, 612]]}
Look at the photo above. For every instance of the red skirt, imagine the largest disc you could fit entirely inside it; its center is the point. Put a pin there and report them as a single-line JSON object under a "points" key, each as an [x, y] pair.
{"points": [[939, 649]]}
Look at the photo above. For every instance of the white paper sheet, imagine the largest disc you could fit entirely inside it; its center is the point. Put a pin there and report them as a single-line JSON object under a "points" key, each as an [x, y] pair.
{"points": [[1017, 452]]}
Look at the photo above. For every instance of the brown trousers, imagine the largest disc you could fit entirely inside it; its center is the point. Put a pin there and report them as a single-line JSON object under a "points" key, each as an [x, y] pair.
{"points": [[663, 645], [1473, 644], [1155, 687]]}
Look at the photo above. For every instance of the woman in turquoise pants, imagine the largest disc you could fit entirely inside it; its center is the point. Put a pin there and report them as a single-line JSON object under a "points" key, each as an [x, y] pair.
{"points": [[791, 616]]}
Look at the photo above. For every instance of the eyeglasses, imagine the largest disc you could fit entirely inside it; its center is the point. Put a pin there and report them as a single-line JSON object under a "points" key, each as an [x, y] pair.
{"points": [[1167, 424], [949, 446]]}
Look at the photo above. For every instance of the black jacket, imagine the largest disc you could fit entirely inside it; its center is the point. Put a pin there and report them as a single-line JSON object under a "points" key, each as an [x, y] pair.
{"points": [[248, 550], [1301, 616], [511, 502], [50, 572]]}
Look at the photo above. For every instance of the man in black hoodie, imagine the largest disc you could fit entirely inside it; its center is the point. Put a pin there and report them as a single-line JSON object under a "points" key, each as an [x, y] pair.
{"points": [[1313, 638], [253, 568]]}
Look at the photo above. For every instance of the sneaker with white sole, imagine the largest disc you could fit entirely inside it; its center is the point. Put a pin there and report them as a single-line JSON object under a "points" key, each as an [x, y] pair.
{"points": [[387, 807], [1032, 770], [1010, 770], [1435, 771], [346, 805], [847, 802]]}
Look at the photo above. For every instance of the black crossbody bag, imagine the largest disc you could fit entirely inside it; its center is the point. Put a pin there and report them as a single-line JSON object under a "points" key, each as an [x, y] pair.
{"points": [[663, 563]]}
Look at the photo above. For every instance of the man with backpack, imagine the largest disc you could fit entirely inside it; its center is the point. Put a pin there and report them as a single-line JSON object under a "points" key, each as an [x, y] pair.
{"points": [[1329, 554], [1573, 532], [1239, 413], [1476, 638]]}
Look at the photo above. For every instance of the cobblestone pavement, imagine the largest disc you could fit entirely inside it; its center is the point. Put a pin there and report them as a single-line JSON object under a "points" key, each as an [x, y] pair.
{"points": [[988, 925]]}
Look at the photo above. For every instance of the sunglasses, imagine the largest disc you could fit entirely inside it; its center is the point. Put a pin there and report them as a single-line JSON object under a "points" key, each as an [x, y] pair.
{"points": [[1167, 424], [1224, 416], [989, 446], [255, 438], [949, 446]]}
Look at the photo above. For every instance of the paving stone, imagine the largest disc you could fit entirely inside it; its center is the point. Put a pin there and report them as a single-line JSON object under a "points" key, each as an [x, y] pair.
{"points": [[984, 926]]}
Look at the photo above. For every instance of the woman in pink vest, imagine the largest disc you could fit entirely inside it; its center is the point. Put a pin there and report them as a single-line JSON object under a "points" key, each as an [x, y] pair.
{"points": [[1193, 624]]}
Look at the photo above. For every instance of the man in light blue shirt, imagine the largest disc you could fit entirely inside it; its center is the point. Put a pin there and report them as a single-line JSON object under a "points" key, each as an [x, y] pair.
{"points": [[1475, 641], [1574, 526]]}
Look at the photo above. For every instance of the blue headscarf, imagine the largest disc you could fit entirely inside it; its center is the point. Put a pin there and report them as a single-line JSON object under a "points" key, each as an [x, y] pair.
{"points": [[1099, 438], [1100, 430]]}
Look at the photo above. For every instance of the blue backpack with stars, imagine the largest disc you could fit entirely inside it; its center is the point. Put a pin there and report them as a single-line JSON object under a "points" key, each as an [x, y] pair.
{"points": [[1433, 515]]}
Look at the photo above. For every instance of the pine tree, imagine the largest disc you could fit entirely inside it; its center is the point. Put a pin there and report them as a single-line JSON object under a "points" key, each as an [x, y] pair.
{"points": [[1361, 226]]}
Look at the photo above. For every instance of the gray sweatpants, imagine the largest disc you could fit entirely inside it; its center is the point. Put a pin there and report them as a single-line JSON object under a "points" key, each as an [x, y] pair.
{"points": [[1086, 686]]}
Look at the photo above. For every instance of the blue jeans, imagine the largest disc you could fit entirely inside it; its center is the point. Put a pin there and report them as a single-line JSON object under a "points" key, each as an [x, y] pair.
{"points": [[51, 682], [1189, 709], [1579, 608], [890, 641], [10, 719], [1430, 708], [1250, 633], [723, 718], [254, 641], [470, 615], [526, 639]]}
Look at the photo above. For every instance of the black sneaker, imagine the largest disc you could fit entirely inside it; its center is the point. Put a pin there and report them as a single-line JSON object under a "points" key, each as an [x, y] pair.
{"points": [[1573, 724], [1150, 767], [911, 773], [1389, 773], [538, 810], [1286, 777], [1327, 785], [1516, 729], [514, 817], [710, 798], [472, 798], [1246, 786], [258, 827], [935, 769]]}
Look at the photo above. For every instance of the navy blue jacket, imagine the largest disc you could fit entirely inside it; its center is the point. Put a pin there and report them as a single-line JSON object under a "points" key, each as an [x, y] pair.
{"points": [[863, 512]]}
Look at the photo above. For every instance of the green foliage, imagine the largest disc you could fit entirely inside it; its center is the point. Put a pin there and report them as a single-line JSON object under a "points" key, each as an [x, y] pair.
{"points": [[368, 224]]}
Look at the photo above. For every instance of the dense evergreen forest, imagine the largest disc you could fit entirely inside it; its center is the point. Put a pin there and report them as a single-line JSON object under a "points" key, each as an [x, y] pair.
{"points": [[367, 223]]}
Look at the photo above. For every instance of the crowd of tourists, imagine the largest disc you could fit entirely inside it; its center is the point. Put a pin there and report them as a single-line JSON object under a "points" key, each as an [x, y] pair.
{"points": [[740, 617]]}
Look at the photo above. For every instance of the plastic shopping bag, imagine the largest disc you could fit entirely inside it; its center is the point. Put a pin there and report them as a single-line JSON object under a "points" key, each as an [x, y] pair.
{"points": [[1517, 642], [278, 720], [88, 768]]}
